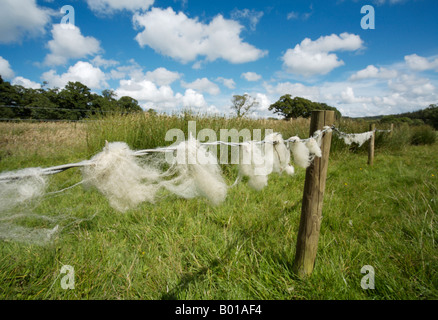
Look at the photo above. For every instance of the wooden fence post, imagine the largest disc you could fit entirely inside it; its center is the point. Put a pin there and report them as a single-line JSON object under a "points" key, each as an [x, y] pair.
{"points": [[313, 195], [371, 145], [391, 130]]}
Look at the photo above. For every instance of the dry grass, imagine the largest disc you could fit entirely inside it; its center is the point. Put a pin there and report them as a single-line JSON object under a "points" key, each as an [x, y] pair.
{"points": [[41, 139]]}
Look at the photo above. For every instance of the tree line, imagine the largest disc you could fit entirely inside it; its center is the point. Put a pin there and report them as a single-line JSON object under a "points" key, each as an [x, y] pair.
{"points": [[428, 116], [74, 102]]}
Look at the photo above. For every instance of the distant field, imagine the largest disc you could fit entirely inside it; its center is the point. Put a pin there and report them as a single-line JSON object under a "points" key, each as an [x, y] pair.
{"points": [[384, 216]]}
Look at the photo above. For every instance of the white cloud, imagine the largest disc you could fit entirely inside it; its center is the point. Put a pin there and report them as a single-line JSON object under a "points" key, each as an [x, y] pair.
{"points": [[313, 57], [98, 61], [405, 92], [132, 70], [229, 83], [294, 89], [25, 83], [263, 102], [20, 18], [202, 85], [348, 97], [83, 72], [149, 95], [372, 72], [69, 43], [5, 69], [252, 15], [251, 76], [184, 39], [418, 63], [161, 76], [191, 99], [411, 86], [111, 6]]}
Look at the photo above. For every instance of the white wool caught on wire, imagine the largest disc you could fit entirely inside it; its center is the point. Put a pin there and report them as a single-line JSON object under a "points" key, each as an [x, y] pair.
{"points": [[117, 173], [197, 173], [314, 148], [126, 180], [300, 152], [359, 138], [254, 165], [280, 154], [257, 161], [27, 185]]}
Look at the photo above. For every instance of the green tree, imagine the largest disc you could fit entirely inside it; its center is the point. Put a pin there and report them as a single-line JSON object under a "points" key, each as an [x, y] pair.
{"points": [[76, 97], [128, 104], [289, 107], [242, 105], [74, 102]]}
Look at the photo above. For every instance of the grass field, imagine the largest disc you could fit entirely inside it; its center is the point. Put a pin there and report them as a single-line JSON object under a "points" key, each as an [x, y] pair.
{"points": [[383, 216]]}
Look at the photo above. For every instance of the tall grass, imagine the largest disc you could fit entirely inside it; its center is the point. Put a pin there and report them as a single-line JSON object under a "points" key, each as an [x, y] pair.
{"points": [[146, 130]]}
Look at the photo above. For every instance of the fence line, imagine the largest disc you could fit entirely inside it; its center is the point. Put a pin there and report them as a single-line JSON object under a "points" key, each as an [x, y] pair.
{"points": [[57, 169], [321, 129]]}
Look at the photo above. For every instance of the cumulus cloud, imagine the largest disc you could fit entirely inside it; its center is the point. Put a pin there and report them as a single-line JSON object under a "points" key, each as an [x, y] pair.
{"points": [[263, 102], [132, 70], [251, 76], [111, 6], [20, 18], [313, 57], [161, 76], [418, 63], [229, 83], [185, 39], [191, 99], [69, 43], [25, 83], [149, 95], [348, 97], [411, 86], [372, 72], [83, 72], [98, 61], [202, 85], [5, 69]]}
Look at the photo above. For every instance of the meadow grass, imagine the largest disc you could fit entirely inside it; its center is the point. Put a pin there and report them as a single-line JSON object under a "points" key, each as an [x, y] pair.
{"points": [[383, 216]]}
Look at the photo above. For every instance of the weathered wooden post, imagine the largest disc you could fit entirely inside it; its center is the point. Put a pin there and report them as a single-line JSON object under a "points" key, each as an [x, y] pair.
{"points": [[313, 195], [391, 130], [371, 145]]}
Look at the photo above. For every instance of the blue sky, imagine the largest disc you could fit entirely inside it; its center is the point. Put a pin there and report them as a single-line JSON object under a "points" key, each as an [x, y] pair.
{"points": [[184, 53]]}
